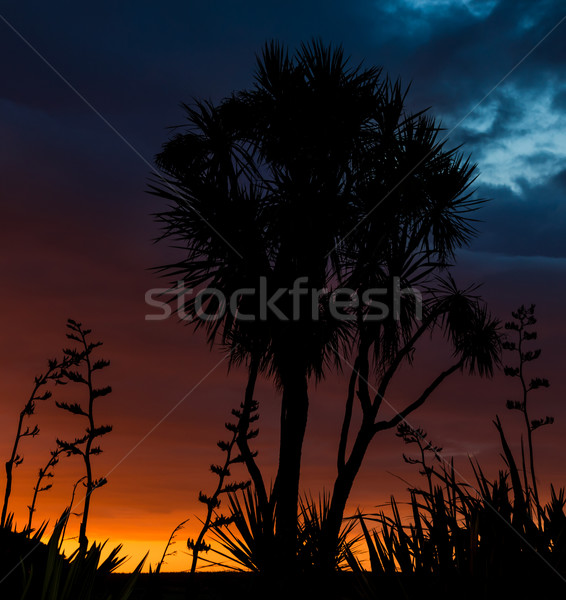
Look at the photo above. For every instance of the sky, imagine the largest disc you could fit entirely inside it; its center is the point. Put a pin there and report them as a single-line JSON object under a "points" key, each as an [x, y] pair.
{"points": [[87, 94]]}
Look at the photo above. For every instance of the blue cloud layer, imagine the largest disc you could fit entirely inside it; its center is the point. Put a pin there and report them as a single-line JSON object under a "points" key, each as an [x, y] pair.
{"points": [[135, 62]]}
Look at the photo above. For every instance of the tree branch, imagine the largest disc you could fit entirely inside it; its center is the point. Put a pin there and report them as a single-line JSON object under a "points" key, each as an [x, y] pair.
{"points": [[400, 356], [347, 417], [242, 439], [363, 383], [381, 425]]}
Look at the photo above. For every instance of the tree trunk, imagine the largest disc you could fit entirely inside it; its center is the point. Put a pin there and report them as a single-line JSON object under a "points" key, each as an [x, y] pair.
{"points": [[342, 488], [347, 473], [294, 413], [248, 456]]}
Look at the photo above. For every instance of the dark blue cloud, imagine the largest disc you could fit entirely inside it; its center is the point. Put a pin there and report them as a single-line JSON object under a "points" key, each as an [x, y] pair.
{"points": [[135, 62], [531, 225]]}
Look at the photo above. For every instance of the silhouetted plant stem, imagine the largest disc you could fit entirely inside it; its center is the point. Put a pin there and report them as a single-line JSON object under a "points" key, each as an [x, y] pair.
{"points": [[411, 435], [71, 504], [212, 503], [240, 431], [525, 412], [523, 319], [84, 446], [524, 466], [43, 472], [170, 541], [53, 374]]}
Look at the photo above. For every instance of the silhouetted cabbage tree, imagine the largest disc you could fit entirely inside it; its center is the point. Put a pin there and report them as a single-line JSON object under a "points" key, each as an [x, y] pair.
{"points": [[476, 345], [319, 173]]}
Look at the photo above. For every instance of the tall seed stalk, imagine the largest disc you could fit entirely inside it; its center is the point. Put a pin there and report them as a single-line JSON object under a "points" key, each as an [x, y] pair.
{"points": [[84, 446], [245, 414], [53, 374], [167, 552], [523, 319], [412, 435], [44, 472]]}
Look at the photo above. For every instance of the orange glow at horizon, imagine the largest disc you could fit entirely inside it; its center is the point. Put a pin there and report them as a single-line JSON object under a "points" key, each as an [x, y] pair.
{"points": [[158, 455], [78, 234], [153, 484]]}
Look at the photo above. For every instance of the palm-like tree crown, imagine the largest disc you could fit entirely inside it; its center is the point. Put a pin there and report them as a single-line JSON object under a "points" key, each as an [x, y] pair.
{"points": [[317, 172]]}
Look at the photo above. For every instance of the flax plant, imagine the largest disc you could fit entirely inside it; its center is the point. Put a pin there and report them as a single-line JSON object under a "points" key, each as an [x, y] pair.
{"points": [[523, 319], [167, 552], [39, 393], [84, 446], [232, 456], [45, 472]]}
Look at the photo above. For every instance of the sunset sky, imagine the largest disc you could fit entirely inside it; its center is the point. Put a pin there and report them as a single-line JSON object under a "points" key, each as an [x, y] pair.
{"points": [[87, 93]]}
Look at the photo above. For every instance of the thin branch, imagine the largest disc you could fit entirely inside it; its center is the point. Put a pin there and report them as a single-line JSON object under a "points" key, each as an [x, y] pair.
{"points": [[347, 417], [399, 417]]}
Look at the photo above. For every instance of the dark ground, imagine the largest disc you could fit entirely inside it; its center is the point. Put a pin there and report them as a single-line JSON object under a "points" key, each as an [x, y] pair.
{"points": [[342, 586], [529, 582]]}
